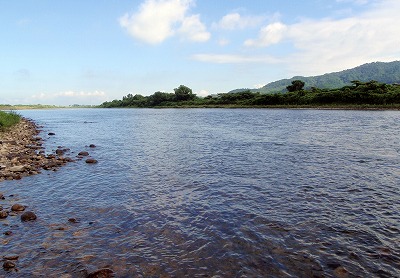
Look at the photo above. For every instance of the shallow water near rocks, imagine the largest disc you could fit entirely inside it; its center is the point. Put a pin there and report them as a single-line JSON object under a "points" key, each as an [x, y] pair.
{"points": [[212, 192]]}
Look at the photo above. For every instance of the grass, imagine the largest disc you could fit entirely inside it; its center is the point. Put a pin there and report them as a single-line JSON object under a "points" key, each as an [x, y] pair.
{"points": [[8, 119]]}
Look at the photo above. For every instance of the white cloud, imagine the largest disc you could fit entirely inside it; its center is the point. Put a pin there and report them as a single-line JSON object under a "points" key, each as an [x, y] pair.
{"points": [[270, 34], [193, 30], [233, 59], [234, 21], [158, 20], [202, 93], [70, 97]]}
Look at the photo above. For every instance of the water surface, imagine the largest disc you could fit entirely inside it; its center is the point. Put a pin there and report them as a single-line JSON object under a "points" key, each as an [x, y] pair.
{"points": [[213, 192]]}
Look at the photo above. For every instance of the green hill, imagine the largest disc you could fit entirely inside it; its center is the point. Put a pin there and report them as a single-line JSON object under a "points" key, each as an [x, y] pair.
{"points": [[388, 73]]}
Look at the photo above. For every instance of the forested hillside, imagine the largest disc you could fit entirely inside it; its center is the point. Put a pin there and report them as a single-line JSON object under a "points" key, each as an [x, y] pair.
{"points": [[388, 73]]}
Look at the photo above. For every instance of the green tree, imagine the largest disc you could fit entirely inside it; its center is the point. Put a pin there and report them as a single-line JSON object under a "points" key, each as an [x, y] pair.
{"points": [[297, 85], [183, 93]]}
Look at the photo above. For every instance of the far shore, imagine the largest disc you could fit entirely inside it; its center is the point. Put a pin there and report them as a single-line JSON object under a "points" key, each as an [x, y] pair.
{"points": [[394, 107]]}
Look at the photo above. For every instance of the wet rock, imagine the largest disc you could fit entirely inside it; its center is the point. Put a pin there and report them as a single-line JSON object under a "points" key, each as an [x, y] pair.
{"points": [[17, 207], [101, 273], [3, 214], [341, 272], [92, 146], [7, 265], [51, 133], [91, 161], [59, 152], [28, 216], [83, 153], [7, 233], [11, 257], [73, 220], [2, 196]]}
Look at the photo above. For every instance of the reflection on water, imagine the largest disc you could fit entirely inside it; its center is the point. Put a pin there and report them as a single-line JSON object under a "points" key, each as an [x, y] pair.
{"points": [[213, 192]]}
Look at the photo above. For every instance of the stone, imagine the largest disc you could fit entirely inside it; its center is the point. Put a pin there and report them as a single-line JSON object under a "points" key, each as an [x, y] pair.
{"points": [[92, 146], [28, 216], [19, 168], [11, 257], [3, 214], [83, 153], [17, 207], [2, 196], [7, 233], [51, 133], [101, 273], [59, 152], [341, 272], [73, 220], [7, 265], [91, 161]]}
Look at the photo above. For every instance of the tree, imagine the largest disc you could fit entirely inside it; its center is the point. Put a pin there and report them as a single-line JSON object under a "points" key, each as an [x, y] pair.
{"points": [[183, 93], [297, 85]]}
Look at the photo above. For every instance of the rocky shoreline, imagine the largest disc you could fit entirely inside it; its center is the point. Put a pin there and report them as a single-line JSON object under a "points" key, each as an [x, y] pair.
{"points": [[22, 154]]}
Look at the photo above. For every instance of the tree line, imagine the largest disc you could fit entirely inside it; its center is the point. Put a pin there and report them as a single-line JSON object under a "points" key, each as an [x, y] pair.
{"points": [[358, 93]]}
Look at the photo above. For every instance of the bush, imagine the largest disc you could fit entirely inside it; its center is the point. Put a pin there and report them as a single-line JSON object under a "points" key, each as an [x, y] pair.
{"points": [[8, 119]]}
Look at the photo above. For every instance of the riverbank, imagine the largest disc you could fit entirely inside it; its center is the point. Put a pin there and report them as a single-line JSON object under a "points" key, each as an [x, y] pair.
{"points": [[22, 153]]}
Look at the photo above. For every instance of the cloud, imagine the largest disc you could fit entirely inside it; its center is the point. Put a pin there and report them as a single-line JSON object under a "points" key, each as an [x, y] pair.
{"points": [[158, 20], [70, 98], [233, 59], [270, 34], [234, 21], [193, 30]]}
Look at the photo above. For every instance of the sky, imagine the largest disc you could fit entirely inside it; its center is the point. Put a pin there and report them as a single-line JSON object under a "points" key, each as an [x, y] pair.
{"points": [[88, 52]]}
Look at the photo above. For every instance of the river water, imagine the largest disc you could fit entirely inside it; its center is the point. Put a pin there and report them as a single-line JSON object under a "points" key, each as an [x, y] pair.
{"points": [[212, 193]]}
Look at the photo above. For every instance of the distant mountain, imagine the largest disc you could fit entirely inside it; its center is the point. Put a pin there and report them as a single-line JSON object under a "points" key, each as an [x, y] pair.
{"points": [[388, 73]]}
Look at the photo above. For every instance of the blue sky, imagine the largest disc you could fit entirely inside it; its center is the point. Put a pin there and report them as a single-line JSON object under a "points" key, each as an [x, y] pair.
{"points": [[88, 52]]}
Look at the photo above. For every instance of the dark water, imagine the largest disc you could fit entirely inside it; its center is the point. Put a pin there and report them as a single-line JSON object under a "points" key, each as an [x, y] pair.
{"points": [[213, 193]]}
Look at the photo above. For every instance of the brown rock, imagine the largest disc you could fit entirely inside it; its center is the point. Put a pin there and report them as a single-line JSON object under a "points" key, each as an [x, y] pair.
{"points": [[83, 153], [28, 216], [51, 133], [7, 233], [91, 161], [11, 257], [101, 273], [19, 168], [7, 265], [3, 214], [341, 272], [17, 207], [92, 146]]}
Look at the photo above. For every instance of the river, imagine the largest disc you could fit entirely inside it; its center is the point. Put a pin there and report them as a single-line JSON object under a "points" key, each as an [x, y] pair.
{"points": [[212, 193]]}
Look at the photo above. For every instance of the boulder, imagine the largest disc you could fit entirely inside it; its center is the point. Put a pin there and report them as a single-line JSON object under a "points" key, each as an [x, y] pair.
{"points": [[83, 153], [3, 214], [91, 161], [19, 168], [101, 273], [17, 207], [28, 216]]}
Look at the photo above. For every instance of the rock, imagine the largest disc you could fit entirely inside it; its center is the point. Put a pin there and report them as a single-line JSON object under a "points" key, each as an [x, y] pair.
{"points": [[92, 146], [341, 272], [2, 196], [7, 233], [20, 168], [91, 161], [101, 273], [73, 220], [51, 133], [59, 152], [17, 207], [7, 265], [3, 214], [83, 153], [11, 257], [28, 216]]}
